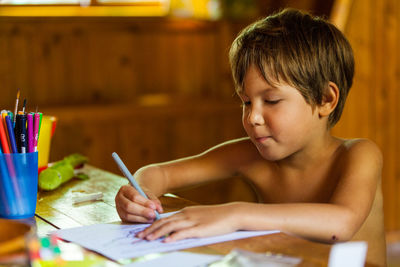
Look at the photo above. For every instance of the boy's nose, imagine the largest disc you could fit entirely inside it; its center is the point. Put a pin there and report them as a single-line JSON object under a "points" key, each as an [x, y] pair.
{"points": [[255, 117]]}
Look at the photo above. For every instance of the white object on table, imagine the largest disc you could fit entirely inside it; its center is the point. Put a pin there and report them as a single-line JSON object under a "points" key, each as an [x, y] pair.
{"points": [[88, 197], [349, 254]]}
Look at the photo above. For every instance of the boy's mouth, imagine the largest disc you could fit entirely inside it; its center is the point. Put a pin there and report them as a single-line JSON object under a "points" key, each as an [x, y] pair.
{"points": [[261, 139]]}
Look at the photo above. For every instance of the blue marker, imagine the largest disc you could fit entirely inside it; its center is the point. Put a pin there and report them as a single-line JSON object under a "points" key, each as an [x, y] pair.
{"points": [[11, 117], [131, 179], [11, 135]]}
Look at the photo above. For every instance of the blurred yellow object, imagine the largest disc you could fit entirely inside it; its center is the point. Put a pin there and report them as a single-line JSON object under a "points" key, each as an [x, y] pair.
{"points": [[202, 9], [46, 133], [12, 236]]}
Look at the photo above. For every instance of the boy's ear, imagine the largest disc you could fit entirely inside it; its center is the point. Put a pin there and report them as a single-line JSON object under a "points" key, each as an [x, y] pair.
{"points": [[329, 100]]}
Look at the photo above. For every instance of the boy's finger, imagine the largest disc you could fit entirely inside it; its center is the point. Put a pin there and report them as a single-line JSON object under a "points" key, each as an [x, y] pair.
{"points": [[133, 195], [158, 205], [150, 204], [152, 227], [182, 234], [126, 217], [160, 208], [136, 208], [155, 205], [139, 219], [166, 228]]}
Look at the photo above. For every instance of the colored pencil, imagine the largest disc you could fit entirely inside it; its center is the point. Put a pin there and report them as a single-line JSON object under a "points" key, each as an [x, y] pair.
{"points": [[4, 113], [4, 138], [131, 179]]}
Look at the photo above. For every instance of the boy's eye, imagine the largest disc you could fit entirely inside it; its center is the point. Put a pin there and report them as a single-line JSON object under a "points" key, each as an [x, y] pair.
{"points": [[272, 102], [246, 103]]}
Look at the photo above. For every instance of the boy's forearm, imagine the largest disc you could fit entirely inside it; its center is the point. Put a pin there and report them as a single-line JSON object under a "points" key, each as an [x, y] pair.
{"points": [[153, 178], [320, 222], [164, 177]]}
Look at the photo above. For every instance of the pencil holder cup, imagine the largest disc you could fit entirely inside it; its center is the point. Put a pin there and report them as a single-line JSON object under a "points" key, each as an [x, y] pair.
{"points": [[18, 185]]}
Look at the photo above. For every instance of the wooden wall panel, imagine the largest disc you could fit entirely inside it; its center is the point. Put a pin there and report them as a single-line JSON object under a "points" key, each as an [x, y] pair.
{"points": [[97, 61], [372, 108], [144, 135]]}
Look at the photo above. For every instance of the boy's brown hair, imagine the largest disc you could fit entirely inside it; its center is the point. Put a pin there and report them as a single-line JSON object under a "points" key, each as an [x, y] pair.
{"points": [[303, 51]]}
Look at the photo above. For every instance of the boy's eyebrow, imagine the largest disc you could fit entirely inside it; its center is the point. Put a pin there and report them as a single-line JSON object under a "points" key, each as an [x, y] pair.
{"points": [[265, 90], [271, 88]]}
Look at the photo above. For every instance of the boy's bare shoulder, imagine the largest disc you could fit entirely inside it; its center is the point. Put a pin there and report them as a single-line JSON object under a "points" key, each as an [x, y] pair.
{"points": [[360, 143], [361, 150], [359, 168]]}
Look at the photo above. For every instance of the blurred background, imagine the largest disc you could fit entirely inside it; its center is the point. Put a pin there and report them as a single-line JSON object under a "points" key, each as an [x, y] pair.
{"points": [[151, 79]]}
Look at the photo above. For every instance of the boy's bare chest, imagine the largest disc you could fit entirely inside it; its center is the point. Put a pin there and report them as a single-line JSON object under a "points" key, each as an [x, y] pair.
{"points": [[281, 187]]}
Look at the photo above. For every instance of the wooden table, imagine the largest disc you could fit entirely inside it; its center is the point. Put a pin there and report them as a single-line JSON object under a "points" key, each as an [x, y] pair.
{"points": [[55, 210]]}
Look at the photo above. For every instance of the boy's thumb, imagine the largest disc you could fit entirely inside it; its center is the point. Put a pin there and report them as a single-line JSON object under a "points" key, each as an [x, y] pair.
{"points": [[158, 205], [156, 201]]}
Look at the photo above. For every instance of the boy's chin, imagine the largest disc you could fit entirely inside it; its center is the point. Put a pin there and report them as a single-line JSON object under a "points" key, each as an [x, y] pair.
{"points": [[269, 155]]}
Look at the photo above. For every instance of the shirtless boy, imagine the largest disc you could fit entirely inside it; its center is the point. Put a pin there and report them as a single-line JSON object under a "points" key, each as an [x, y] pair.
{"points": [[292, 72]]}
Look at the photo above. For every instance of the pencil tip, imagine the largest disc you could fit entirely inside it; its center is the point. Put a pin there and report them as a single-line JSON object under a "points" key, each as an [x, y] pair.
{"points": [[18, 93]]}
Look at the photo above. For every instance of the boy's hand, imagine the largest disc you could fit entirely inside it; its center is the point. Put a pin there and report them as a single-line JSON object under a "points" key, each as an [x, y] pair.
{"points": [[197, 221], [133, 207]]}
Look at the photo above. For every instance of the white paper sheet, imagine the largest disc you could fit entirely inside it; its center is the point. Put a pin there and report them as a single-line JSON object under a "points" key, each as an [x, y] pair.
{"points": [[118, 242], [349, 254]]}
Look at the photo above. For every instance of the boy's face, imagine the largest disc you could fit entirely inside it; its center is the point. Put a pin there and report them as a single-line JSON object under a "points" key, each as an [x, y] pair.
{"points": [[277, 119]]}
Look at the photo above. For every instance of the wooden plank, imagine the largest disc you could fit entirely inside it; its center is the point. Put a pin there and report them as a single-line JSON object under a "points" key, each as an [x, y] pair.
{"points": [[53, 217], [57, 208], [390, 13], [83, 60], [394, 83], [5, 62], [43, 228], [381, 104], [340, 13]]}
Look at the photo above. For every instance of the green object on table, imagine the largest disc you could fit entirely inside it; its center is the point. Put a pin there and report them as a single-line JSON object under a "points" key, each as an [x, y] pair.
{"points": [[61, 172]]}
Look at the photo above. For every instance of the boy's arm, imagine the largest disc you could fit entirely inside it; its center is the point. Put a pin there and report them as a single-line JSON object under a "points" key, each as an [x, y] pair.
{"points": [[337, 220], [218, 162], [221, 161]]}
